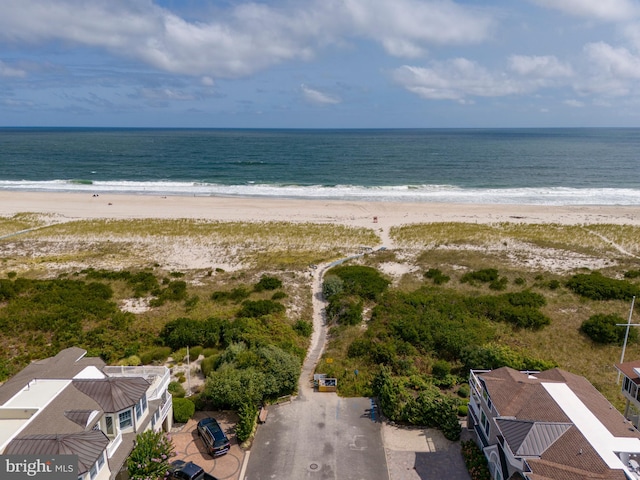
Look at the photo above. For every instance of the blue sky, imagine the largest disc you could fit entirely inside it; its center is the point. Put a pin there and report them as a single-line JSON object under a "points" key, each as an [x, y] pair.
{"points": [[320, 63]]}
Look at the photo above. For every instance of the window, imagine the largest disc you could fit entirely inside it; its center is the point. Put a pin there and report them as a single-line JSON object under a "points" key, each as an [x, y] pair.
{"points": [[485, 423], [144, 402], [627, 384], [93, 473], [125, 419], [108, 420], [100, 461], [138, 411]]}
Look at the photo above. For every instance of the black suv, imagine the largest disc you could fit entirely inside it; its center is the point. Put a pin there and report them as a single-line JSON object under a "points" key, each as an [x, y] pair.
{"points": [[215, 440], [180, 470]]}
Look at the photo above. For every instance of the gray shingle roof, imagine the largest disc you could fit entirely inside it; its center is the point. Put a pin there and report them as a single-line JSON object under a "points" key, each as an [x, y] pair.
{"points": [[526, 438], [87, 445], [114, 393], [66, 364]]}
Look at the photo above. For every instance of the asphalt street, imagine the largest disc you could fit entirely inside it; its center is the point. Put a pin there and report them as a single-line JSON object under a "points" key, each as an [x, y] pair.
{"points": [[319, 436]]}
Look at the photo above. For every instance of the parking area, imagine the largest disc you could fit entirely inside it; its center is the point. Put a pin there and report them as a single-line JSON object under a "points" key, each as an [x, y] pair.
{"points": [[189, 447]]}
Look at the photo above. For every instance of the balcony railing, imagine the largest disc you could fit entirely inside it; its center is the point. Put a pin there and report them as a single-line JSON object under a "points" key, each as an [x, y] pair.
{"points": [[158, 376], [114, 444]]}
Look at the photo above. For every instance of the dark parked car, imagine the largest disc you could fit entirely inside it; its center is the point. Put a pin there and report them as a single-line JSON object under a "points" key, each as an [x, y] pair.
{"points": [[181, 470], [215, 440]]}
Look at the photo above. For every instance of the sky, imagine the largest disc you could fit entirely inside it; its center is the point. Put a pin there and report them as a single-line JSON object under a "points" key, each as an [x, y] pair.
{"points": [[320, 63]]}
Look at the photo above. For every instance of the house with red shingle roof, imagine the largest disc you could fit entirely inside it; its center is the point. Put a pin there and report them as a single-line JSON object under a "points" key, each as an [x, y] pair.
{"points": [[71, 404], [549, 425]]}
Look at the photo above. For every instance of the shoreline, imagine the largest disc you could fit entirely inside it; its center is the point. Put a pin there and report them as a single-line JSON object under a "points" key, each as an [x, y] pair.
{"points": [[76, 206]]}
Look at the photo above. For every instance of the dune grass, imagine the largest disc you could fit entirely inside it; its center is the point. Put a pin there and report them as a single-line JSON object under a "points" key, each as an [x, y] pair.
{"points": [[577, 238]]}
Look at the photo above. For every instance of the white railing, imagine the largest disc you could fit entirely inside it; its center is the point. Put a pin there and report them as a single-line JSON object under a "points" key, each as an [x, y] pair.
{"points": [[165, 407], [114, 444], [159, 376]]}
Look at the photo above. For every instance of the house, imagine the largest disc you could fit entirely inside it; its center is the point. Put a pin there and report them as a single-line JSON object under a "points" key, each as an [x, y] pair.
{"points": [[549, 425], [630, 387], [76, 405]]}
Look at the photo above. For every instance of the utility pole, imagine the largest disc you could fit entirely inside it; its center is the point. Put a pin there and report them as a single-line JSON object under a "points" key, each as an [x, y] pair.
{"points": [[626, 335]]}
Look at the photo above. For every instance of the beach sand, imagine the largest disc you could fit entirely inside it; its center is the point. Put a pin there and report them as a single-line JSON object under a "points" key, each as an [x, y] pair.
{"points": [[353, 213], [380, 217]]}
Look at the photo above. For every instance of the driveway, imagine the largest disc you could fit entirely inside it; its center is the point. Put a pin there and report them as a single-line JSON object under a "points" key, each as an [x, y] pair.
{"points": [[189, 447], [415, 453]]}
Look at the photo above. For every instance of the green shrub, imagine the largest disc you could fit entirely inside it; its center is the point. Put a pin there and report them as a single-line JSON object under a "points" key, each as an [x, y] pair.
{"points": [[604, 329], [365, 282], [440, 369], [436, 276], [554, 284], [208, 365], [150, 456], [486, 275], [499, 284], [598, 287], [475, 461], [278, 296], [632, 274], [360, 347], [332, 285], [345, 310], [259, 308], [155, 355], [247, 416], [520, 281], [176, 390], [267, 283], [464, 390], [303, 328], [463, 410], [183, 409]]}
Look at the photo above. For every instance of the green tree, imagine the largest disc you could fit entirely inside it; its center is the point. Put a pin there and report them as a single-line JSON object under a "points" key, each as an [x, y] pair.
{"points": [[149, 458]]}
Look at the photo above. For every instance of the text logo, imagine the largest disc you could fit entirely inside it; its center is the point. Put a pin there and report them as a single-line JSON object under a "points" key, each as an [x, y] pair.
{"points": [[39, 467]]}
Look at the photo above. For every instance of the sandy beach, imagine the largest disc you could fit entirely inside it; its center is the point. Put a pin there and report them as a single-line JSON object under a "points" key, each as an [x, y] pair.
{"points": [[353, 213]]}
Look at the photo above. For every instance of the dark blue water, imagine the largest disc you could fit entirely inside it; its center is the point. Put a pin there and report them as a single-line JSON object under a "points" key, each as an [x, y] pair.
{"points": [[550, 166]]}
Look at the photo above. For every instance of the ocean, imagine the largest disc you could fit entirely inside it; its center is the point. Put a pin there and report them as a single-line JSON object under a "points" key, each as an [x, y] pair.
{"points": [[496, 166]]}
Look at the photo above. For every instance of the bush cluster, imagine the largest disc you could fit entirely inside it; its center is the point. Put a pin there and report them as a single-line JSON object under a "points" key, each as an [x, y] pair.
{"points": [[155, 355], [485, 275], [267, 283], [429, 407], [475, 461], [604, 329], [246, 375], [183, 409], [150, 456], [598, 287], [259, 308], [247, 417], [364, 282], [436, 276]]}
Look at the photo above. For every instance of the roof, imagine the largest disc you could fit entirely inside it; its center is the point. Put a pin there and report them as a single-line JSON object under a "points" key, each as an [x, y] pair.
{"points": [[112, 393], [628, 370], [560, 423], [528, 438], [66, 364], [88, 446]]}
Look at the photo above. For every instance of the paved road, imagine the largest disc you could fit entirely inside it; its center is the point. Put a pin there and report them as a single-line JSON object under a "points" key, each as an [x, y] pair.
{"points": [[318, 435], [326, 437]]}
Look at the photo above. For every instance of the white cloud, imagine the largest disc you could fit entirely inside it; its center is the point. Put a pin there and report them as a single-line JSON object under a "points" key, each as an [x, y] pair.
{"points": [[7, 71], [455, 80], [165, 94], [539, 66], [319, 98], [406, 27], [616, 62], [207, 81], [607, 10], [245, 38], [574, 103]]}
